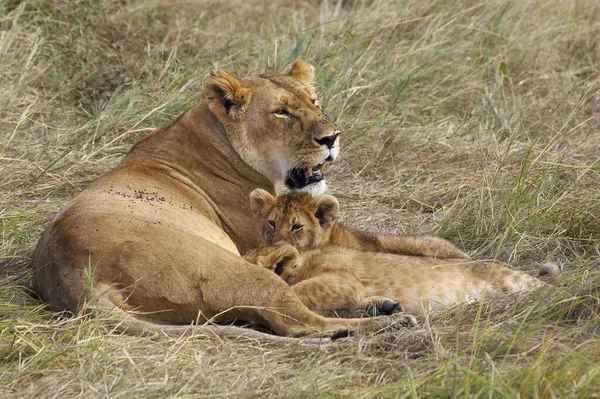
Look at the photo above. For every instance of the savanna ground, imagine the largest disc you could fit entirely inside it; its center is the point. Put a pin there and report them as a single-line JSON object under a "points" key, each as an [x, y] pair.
{"points": [[475, 120]]}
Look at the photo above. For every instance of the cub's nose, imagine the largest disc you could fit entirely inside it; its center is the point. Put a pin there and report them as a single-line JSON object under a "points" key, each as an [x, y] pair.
{"points": [[329, 141]]}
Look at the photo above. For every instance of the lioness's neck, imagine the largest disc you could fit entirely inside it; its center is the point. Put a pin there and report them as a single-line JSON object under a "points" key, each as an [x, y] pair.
{"points": [[193, 142], [197, 150]]}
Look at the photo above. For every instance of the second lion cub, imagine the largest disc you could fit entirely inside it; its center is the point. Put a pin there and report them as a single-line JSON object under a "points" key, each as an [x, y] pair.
{"points": [[331, 277]]}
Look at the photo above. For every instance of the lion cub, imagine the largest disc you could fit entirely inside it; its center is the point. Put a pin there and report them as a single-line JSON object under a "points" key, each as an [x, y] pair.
{"points": [[328, 277]]}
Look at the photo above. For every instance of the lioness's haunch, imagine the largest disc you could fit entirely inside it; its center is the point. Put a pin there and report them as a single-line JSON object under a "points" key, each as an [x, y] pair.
{"points": [[330, 277], [159, 237]]}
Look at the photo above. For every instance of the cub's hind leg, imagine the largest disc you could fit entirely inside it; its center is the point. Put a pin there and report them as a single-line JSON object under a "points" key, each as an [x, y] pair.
{"points": [[329, 292], [342, 295]]}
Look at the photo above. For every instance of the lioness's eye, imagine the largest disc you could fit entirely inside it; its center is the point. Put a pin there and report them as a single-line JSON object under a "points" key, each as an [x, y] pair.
{"points": [[296, 227], [271, 224], [282, 113]]}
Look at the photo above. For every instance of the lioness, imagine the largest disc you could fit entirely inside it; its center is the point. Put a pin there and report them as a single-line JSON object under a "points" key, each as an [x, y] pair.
{"points": [[331, 277], [159, 237]]}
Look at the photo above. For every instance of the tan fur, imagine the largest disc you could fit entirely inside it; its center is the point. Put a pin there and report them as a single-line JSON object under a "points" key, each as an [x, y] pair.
{"points": [[338, 293], [327, 277], [300, 208], [160, 236], [303, 72]]}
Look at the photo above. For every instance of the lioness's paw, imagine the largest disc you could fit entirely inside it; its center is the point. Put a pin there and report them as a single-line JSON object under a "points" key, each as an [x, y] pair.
{"points": [[376, 325], [395, 322], [399, 320]]}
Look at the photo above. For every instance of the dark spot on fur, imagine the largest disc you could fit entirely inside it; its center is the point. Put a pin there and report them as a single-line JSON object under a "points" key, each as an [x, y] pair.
{"points": [[389, 306]]}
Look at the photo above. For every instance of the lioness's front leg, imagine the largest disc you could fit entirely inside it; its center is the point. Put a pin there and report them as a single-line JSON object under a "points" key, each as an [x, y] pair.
{"points": [[339, 294], [269, 301], [322, 293]]}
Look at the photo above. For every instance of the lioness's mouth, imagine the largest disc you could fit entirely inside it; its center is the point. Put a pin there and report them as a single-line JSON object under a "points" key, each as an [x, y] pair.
{"points": [[301, 177]]}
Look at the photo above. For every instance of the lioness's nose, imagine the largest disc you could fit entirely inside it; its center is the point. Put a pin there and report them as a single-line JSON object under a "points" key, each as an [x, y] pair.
{"points": [[329, 141]]}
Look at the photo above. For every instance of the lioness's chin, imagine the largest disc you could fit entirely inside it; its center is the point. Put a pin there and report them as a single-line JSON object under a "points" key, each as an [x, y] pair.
{"points": [[314, 189]]}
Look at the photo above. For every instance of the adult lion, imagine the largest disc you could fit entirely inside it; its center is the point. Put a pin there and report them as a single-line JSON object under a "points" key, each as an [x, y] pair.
{"points": [[160, 236]]}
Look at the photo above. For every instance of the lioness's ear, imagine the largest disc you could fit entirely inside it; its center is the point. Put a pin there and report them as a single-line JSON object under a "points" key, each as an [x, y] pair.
{"points": [[261, 202], [327, 210], [302, 71], [221, 86]]}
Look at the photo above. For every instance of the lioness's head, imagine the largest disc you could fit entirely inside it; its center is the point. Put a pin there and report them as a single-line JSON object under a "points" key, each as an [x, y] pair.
{"points": [[296, 218], [276, 124]]}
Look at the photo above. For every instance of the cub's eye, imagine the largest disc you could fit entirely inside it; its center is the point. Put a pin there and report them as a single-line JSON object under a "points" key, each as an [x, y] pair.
{"points": [[316, 102], [271, 224], [282, 113], [296, 227]]}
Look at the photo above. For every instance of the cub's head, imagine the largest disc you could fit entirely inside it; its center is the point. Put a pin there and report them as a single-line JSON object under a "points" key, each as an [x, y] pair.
{"points": [[276, 124], [296, 218]]}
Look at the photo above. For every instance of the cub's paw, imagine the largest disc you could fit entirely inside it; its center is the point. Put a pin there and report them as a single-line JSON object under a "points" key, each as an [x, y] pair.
{"points": [[381, 306], [276, 258]]}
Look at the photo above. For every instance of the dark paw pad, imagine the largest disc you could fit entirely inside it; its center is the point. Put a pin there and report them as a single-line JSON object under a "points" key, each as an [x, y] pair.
{"points": [[384, 308], [390, 307]]}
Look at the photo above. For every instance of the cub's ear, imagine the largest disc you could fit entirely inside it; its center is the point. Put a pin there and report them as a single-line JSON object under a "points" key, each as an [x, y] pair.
{"points": [[327, 210], [222, 87], [302, 71], [261, 202]]}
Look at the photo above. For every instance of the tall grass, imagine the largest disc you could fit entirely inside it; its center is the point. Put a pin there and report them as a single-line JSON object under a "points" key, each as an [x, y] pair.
{"points": [[475, 120]]}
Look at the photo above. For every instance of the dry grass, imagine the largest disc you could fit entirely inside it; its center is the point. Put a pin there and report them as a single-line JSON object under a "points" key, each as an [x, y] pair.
{"points": [[475, 120]]}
